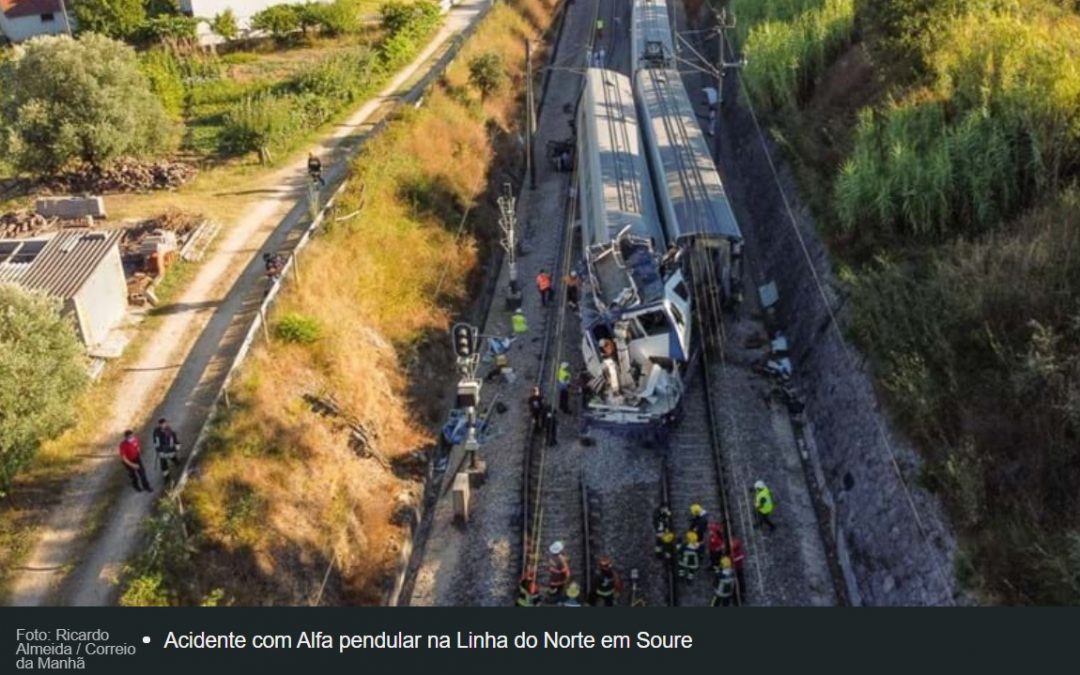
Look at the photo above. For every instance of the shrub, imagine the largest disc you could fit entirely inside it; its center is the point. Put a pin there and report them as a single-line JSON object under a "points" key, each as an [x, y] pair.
{"points": [[225, 25], [258, 123], [278, 20], [487, 73], [298, 329], [166, 80], [170, 27], [82, 99], [120, 19], [340, 17], [42, 368]]}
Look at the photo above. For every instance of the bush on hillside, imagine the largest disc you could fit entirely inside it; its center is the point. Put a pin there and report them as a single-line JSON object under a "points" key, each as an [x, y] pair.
{"points": [[43, 369], [165, 74], [487, 73], [64, 100]]}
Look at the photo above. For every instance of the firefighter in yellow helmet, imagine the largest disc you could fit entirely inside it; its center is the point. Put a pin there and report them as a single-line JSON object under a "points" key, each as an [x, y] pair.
{"points": [[689, 556], [699, 521]]}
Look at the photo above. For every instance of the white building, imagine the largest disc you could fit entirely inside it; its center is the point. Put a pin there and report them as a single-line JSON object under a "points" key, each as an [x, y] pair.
{"points": [[23, 19], [80, 268], [208, 9]]}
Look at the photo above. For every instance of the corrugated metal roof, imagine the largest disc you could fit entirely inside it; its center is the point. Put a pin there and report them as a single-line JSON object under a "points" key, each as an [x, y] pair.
{"points": [[68, 260]]}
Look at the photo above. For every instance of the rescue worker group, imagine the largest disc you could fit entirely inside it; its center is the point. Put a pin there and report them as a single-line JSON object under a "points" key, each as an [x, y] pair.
{"points": [[704, 543]]}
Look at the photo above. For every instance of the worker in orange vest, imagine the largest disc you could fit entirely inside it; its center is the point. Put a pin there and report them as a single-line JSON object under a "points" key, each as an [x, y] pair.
{"points": [[543, 284]]}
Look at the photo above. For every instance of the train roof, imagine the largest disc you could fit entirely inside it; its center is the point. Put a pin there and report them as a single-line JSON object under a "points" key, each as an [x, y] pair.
{"points": [[652, 29], [687, 172], [626, 192]]}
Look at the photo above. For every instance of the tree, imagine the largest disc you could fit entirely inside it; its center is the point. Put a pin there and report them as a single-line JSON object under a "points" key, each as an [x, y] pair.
{"points": [[87, 99], [119, 19], [171, 28], [487, 73], [278, 20], [225, 25], [43, 369]]}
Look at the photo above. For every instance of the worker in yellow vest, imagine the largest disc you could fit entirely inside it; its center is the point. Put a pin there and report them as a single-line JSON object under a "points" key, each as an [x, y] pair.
{"points": [[763, 504], [563, 379], [518, 323]]}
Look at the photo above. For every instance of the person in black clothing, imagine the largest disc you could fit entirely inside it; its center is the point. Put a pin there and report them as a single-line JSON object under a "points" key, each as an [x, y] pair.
{"points": [[167, 445], [585, 384], [314, 167], [536, 409], [551, 425]]}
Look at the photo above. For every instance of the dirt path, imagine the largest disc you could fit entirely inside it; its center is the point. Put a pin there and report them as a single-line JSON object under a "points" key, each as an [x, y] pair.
{"points": [[182, 366]]}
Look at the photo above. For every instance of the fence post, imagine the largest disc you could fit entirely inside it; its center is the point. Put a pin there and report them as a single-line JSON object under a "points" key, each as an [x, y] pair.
{"points": [[262, 320]]}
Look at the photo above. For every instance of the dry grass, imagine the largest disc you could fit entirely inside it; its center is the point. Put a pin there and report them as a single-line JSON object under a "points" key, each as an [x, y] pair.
{"points": [[280, 493]]}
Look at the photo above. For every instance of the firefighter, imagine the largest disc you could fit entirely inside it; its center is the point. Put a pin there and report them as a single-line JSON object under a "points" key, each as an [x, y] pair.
{"points": [[528, 591], [543, 285], [536, 409], [599, 29], [558, 567], [607, 585], [666, 545], [716, 545], [563, 378], [699, 521], [724, 590], [763, 504], [573, 595], [167, 445], [518, 322], [689, 556], [662, 527]]}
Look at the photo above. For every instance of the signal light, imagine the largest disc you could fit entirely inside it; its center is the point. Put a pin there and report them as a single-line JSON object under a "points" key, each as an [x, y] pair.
{"points": [[464, 337]]}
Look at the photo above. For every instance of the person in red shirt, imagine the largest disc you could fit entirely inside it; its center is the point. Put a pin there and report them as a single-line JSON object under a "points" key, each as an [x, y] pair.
{"points": [[131, 456], [738, 558], [543, 284]]}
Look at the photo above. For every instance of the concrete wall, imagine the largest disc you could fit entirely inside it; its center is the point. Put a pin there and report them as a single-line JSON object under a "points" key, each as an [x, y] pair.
{"points": [[26, 27], [102, 302]]}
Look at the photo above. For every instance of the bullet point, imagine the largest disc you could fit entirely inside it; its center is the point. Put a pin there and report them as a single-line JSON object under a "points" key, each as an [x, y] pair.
{"points": [[146, 639]]}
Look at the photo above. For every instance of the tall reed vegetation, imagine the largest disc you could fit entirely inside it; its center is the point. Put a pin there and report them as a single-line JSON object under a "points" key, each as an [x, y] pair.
{"points": [[788, 45], [997, 129]]}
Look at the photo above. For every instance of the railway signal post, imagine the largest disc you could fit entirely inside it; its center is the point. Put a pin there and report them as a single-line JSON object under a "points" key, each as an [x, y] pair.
{"points": [[466, 348]]}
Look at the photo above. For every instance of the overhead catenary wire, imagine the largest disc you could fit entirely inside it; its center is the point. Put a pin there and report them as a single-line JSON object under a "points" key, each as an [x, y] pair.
{"points": [[835, 325]]}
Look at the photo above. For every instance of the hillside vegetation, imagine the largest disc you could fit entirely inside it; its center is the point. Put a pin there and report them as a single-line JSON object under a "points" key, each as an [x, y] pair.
{"points": [[280, 494], [950, 200]]}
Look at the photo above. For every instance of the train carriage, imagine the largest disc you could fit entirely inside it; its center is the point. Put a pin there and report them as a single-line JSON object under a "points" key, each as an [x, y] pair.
{"points": [[635, 310], [690, 197], [652, 43]]}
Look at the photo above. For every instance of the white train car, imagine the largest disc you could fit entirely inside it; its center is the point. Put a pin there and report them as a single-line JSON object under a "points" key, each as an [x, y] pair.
{"points": [[652, 42], [690, 197], [635, 311]]}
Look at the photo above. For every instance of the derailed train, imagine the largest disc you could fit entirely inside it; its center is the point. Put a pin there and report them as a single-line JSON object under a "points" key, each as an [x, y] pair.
{"points": [[651, 202]]}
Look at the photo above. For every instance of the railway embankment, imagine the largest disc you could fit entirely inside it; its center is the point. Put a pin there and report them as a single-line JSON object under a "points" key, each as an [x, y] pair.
{"points": [[894, 543], [310, 480]]}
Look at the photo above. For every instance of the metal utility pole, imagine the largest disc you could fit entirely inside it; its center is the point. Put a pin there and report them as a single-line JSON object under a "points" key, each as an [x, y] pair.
{"points": [[508, 225], [530, 122], [724, 21]]}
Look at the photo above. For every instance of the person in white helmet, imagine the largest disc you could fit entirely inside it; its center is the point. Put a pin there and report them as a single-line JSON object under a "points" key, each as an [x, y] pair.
{"points": [[571, 285], [558, 571], [763, 504]]}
